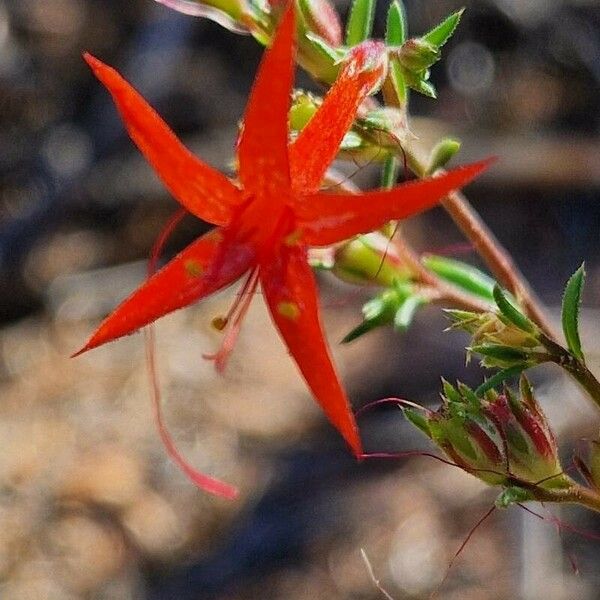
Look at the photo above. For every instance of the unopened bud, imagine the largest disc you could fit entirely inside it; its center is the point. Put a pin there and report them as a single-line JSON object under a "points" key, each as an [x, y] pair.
{"points": [[304, 106], [501, 439], [370, 260], [417, 55]]}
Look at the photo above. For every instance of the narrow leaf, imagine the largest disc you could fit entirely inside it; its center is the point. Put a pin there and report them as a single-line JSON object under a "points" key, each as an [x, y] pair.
{"points": [[360, 330], [512, 313], [499, 378], [398, 81], [439, 35], [450, 392], [396, 30], [462, 275], [407, 311], [418, 420], [498, 352], [360, 22], [570, 311]]}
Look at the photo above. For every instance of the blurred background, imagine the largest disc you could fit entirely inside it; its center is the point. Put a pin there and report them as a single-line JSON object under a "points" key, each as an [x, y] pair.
{"points": [[90, 507]]}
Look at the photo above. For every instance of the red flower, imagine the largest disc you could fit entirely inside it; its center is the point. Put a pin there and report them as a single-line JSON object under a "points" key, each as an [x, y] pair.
{"points": [[265, 224]]}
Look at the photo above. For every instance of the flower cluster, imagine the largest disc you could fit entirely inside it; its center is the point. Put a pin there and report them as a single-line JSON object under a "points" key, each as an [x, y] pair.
{"points": [[501, 438]]}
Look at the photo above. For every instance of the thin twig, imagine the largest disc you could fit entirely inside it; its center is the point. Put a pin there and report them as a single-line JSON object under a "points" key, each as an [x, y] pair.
{"points": [[497, 258]]}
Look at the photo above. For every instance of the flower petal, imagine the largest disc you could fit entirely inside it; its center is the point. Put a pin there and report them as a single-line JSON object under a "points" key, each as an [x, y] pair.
{"points": [[207, 265], [262, 148], [291, 295], [318, 143], [202, 190], [329, 218]]}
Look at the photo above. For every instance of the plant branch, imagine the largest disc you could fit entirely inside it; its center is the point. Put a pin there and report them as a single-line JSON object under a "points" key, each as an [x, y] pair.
{"points": [[575, 494], [497, 258]]}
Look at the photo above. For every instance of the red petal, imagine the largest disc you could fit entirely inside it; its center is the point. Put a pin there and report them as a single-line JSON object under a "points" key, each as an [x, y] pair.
{"points": [[202, 190], [262, 149], [205, 266], [329, 218], [319, 142], [290, 292]]}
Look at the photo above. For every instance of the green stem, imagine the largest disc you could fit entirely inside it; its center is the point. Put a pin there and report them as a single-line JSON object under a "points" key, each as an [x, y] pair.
{"points": [[574, 367], [389, 173], [584, 377], [575, 494]]}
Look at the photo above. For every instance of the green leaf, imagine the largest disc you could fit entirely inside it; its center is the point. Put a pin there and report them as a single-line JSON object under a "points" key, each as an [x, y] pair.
{"points": [[442, 154], [498, 352], [418, 420], [396, 30], [318, 43], [570, 312], [499, 378], [512, 313], [360, 330], [439, 35], [406, 312], [360, 22], [398, 81], [424, 87], [462, 275]]}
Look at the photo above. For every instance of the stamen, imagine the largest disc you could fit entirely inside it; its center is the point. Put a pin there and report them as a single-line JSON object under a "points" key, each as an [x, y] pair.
{"points": [[234, 318]]}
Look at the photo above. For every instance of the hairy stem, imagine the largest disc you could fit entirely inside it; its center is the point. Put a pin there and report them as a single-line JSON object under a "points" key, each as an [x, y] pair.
{"points": [[575, 494]]}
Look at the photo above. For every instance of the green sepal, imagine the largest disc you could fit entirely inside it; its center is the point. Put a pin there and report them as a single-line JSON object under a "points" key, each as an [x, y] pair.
{"points": [[421, 86], [439, 35], [462, 275], [505, 354], [570, 312], [450, 392], [469, 395], [499, 378], [396, 30], [360, 22], [418, 420], [512, 313]]}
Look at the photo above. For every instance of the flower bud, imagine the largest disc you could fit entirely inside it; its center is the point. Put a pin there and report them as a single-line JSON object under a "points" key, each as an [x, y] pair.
{"points": [[501, 439], [304, 106], [370, 260], [500, 343], [417, 54]]}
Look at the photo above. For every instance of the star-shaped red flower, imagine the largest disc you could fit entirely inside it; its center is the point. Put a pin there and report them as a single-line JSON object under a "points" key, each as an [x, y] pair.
{"points": [[266, 222]]}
